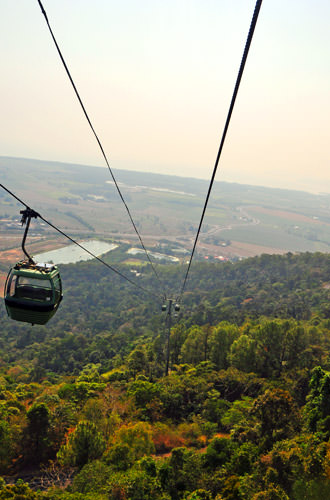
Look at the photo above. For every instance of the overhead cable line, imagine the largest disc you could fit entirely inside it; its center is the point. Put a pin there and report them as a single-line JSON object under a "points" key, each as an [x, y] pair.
{"points": [[98, 141], [82, 247], [231, 107]]}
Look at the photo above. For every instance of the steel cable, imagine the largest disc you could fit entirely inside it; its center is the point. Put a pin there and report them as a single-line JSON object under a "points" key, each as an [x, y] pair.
{"points": [[231, 107], [98, 142], [82, 247]]}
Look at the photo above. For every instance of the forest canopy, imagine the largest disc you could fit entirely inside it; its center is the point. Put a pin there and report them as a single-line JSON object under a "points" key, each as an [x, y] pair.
{"points": [[86, 410]]}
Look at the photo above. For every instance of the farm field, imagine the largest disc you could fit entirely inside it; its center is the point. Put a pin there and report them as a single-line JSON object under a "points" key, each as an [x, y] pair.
{"points": [[241, 220]]}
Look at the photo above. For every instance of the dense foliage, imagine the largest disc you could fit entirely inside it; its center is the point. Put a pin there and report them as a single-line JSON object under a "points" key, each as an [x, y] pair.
{"points": [[86, 411]]}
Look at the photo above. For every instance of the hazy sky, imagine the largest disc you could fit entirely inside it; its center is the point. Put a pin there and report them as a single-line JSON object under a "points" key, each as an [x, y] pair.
{"points": [[157, 77]]}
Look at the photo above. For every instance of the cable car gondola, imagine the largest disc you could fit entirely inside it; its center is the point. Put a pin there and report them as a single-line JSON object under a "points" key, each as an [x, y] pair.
{"points": [[33, 291]]}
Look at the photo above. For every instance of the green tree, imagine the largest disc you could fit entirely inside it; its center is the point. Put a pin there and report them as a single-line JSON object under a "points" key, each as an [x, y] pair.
{"points": [[196, 346], [221, 339], [85, 443], [18, 491], [214, 407], [138, 437], [198, 495], [218, 452], [243, 459], [270, 336], [272, 493], [243, 354], [178, 336], [137, 361], [317, 409], [5, 445], [90, 373], [37, 430], [278, 415], [181, 473], [311, 490], [120, 457], [92, 477], [146, 398], [134, 484], [239, 413]]}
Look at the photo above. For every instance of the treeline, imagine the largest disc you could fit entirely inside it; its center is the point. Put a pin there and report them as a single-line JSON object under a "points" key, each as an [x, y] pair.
{"points": [[102, 317]]}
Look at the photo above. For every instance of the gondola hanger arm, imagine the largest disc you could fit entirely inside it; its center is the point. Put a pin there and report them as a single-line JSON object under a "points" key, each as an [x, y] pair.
{"points": [[27, 215]]}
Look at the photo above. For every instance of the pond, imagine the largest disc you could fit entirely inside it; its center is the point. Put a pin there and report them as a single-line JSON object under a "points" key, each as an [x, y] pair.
{"points": [[72, 253], [156, 255]]}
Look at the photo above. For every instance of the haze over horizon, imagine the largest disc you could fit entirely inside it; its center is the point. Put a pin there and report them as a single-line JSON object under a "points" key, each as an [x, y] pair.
{"points": [[157, 80], [145, 172]]}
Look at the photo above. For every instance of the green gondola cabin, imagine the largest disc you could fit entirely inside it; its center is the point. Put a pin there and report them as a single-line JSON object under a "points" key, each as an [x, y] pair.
{"points": [[33, 292]]}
